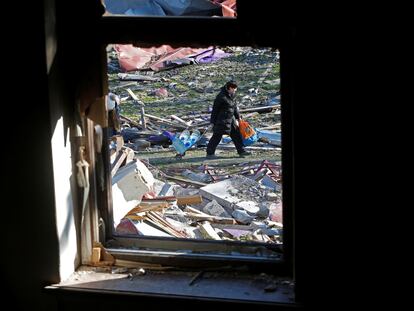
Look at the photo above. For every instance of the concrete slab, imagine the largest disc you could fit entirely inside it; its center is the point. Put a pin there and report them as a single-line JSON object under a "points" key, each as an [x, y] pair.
{"points": [[237, 192]]}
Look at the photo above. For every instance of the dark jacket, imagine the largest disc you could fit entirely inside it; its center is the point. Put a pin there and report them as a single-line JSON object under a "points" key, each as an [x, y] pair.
{"points": [[224, 112]]}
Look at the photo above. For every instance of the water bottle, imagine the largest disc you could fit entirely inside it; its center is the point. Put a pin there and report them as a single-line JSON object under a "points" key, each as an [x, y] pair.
{"points": [[176, 141], [184, 136], [178, 144], [195, 135], [192, 139]]}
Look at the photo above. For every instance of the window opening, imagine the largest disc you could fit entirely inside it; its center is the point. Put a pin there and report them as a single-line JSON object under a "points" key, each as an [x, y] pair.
{"points": [[164, 184]]}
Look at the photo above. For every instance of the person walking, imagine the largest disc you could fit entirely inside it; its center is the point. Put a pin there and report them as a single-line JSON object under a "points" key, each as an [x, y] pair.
{"points": [[224, 118]]}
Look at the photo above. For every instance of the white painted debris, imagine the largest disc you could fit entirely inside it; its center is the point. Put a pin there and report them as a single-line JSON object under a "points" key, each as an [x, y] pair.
{"points": [[128, 190], [147, 230], [208, 232], [249, 206]]}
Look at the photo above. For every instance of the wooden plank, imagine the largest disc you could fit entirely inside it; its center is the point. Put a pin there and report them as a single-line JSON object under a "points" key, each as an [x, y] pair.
{"points": [[180, 232], [135, 217], [118, 163], [130, 155], [154, 206], [176, 125], [214, 219], [208, 232], [146, 207], [105, 255], [181, 120], [154, 218], [138, 209], [141, 104], [186, 181], [96, 254], [237, 227], [158, 118], [130, 121], [139, 264], [194, 210], [134, 97], [124, 85], [190, 199], [89, 225], [136, 77], [170, 198]]}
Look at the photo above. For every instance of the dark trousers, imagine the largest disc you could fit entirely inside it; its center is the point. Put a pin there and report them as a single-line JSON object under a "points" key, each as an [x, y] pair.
{"points": [[235, 137]]}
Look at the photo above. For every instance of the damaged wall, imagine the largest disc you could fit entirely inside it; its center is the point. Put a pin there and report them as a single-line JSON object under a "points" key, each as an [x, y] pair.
{"points": [[39, 222], [30, 249], [65, 214], [64, 155]]}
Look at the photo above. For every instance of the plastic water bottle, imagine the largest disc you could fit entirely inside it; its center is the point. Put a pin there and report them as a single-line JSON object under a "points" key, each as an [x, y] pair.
{"points": [[184, 136], [178, 145], [192, 139], [195, 135], [176, 141]]}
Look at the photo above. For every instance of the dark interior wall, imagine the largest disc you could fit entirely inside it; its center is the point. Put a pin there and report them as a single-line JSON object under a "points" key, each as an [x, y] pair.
{"points": [[30, 250], [42, 64]]}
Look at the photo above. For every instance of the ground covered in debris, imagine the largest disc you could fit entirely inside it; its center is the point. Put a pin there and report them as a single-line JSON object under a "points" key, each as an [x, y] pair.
{"points": [[190, 90], [160, 191]]}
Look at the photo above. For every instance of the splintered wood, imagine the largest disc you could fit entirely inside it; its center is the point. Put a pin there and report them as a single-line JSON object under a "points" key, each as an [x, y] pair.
{"points": [[157, 219]]}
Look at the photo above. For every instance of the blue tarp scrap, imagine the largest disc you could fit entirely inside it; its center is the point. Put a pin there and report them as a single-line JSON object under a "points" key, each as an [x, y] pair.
{"points": [[163, 7]]}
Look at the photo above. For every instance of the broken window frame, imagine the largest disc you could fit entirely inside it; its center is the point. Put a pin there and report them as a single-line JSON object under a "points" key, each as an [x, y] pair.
{"points": [[204, 32]]}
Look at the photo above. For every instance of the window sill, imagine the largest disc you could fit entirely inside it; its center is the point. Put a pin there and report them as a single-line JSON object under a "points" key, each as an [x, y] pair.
{"points": [[219, 286]]}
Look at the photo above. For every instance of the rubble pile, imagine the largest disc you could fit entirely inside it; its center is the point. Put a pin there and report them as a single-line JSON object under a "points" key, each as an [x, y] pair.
{"points": [[235, 208]]}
